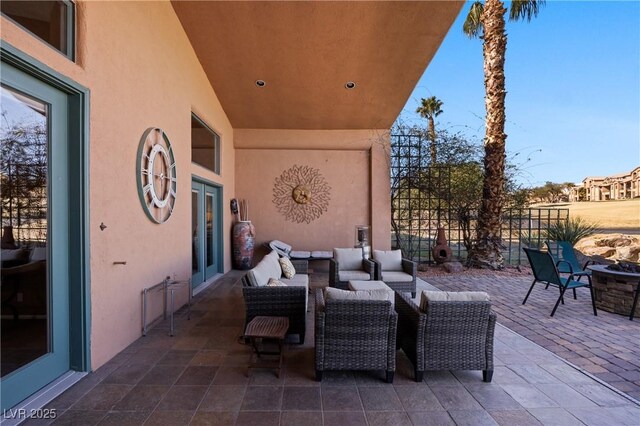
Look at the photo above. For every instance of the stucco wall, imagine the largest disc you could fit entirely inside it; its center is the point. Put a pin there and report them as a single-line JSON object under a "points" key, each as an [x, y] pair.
{"points": [[353, 164], [142, 72]]}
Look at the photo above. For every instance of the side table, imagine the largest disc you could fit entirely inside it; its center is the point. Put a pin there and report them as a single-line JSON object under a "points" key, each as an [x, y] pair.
{"points": [[261, 331]]}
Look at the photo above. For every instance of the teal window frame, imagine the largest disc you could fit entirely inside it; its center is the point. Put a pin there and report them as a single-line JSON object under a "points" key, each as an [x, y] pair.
{"points": [[217, 147], [79, 270], [70, 30]]}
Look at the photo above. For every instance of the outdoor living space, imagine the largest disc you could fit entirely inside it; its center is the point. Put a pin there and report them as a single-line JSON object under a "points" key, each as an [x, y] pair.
{"points": [[200, 375], [152, 150]]}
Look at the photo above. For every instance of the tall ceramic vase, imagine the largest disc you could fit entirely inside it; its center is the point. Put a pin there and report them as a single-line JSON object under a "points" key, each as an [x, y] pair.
{"points": [[243, 242]]}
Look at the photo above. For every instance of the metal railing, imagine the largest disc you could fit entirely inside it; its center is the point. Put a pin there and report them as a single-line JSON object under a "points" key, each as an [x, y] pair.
{"points": [[520, 228]]}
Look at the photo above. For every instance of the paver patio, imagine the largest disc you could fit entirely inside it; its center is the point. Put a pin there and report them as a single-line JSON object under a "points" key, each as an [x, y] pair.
{"points": [[607, 346], [199, 377]]}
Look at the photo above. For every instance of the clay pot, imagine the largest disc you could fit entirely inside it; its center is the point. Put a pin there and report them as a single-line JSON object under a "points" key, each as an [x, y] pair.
{"points": [[441, 251], [243, 243]]}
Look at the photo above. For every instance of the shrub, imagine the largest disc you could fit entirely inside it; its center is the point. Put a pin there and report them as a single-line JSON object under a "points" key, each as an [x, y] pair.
{"points": [[573, 230]]}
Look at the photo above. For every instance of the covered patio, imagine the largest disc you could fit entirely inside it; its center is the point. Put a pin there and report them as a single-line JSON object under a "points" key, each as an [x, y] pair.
{"points": [[199, 376]]}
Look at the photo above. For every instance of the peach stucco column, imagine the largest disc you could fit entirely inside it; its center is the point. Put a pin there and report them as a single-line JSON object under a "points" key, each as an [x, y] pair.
{"points": [[380, 193]]}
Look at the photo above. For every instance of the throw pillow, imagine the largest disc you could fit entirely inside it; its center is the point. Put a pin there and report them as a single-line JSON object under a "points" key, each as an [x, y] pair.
{"points": [[287, 267], [275, 283]]}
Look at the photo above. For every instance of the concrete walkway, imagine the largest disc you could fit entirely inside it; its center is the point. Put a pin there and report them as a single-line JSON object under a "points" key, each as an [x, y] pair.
{"points": [[607, 345], [199, 377]]}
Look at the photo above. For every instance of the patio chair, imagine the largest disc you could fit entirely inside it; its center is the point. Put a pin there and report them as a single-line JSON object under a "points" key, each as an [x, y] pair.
{"points": [[545, 271], [396, 272], [348, 264], [566, 261], [449, 331], [354, 334]]}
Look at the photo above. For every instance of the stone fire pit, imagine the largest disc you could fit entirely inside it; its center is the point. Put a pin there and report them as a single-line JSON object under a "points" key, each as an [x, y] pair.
{"points": [[616, 291]]}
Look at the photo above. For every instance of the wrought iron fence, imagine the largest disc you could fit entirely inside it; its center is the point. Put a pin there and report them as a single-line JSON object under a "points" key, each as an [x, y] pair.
{"points": [[421, 201], [418, 196]]}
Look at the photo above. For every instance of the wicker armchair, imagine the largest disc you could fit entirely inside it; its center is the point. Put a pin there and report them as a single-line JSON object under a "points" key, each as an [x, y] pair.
{"points": [[287, 301], [347, 265], [355, 335], [449, 335], [396, 272]]}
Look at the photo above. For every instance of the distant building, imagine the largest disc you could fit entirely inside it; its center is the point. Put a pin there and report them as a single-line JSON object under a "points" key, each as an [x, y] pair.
{"points": [[622, 186]]}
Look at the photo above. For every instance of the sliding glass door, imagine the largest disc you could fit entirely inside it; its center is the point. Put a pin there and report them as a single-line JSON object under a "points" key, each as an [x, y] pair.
{"points": [[34, 148]]}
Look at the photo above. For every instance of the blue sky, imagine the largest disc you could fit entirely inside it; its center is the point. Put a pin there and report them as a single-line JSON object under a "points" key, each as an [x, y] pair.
{"points": [[573, 89]]}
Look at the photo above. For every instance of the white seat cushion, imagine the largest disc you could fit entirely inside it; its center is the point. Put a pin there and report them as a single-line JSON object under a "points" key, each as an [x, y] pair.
{"points": [[318, 254], [356, 285], [297, 280], [348, 259], [275, 283], [268, 267], [300, 254], [272, 260], [390, 260], [353, 275], [396, 277], [372, 286], [452, 296], [331, 293]]}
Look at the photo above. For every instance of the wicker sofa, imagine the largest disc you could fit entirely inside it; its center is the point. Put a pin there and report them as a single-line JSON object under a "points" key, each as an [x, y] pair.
{"points": [[354, 335], [447, 334], [288, 301]]}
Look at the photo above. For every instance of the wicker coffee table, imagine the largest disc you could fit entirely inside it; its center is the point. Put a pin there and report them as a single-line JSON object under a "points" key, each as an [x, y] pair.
{"points": [[261, 332]]}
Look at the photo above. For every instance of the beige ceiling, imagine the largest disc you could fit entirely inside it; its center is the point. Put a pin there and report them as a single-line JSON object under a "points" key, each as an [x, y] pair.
{"points": [[307, 51]]}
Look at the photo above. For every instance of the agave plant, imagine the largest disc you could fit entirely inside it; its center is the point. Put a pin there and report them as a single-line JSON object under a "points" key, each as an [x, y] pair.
{"points": [[572, 230]]}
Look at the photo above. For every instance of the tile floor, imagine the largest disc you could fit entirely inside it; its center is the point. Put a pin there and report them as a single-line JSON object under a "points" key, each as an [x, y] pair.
{"points": [[199, 377]]}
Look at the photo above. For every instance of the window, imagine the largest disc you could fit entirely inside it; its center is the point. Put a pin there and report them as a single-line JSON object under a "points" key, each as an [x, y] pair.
{"points": [[205, 145], [51, 21]]}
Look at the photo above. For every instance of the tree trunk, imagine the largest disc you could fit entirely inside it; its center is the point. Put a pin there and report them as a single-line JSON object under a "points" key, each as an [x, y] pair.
{"points": [[487, 252], [432, 141]]}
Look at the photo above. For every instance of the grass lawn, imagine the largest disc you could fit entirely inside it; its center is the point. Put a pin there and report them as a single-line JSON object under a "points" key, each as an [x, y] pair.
{"points": [[609, 215]]}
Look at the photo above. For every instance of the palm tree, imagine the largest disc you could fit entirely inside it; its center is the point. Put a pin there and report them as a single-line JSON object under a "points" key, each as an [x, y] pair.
{"points": [[430, 108], [487, 22]]}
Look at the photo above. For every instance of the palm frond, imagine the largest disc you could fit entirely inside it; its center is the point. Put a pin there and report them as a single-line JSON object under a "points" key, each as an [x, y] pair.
{"points": [[525, 9], [472, 26], [430, 107]]}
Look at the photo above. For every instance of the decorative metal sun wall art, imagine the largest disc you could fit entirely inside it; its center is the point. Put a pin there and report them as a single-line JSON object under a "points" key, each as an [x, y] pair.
{"points": [[301, 194]]}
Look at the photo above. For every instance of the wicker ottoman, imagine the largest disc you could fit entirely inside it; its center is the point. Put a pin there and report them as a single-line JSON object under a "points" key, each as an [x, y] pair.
{"points": [[356, 285]]}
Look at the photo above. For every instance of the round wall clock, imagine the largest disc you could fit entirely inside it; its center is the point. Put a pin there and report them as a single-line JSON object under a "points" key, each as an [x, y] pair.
{"points": [[156, 175]]}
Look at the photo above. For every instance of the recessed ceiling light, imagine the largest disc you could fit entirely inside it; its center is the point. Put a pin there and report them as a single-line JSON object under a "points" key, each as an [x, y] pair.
{"points": [[350, 85], [260, 83]]}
